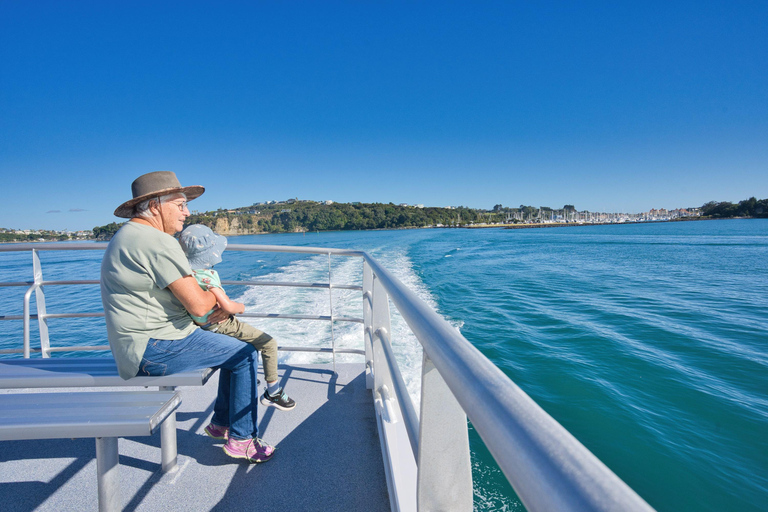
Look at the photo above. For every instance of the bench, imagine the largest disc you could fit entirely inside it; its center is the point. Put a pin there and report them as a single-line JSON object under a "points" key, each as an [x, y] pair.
{"points": [[80, 372], [103, 415]]}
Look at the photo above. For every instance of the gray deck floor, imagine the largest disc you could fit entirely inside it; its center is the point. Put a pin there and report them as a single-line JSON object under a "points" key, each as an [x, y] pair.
{"points": [[328, 457]]}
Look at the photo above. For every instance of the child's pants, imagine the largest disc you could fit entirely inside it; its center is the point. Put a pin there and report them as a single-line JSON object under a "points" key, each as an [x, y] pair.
{"points": [[261, 341]]}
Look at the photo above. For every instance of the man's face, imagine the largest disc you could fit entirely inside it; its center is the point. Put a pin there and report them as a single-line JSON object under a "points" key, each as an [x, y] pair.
{"points": [[174, 211]]}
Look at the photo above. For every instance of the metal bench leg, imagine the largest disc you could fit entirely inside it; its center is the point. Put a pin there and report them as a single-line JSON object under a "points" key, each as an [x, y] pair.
{"points": [[107, 473], [168, 450]]}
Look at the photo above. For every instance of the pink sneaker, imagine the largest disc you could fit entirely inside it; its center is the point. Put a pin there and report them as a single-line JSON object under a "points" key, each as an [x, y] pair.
{"points": [[253, 450], [217, 432]]}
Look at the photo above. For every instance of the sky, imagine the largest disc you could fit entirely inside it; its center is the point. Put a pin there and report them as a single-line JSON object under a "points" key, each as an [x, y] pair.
{"points": [[609, 106]]}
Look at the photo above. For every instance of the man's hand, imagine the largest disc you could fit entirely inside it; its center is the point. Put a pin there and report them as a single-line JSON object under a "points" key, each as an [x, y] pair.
{"points": [[191, 296], [218, 315]]}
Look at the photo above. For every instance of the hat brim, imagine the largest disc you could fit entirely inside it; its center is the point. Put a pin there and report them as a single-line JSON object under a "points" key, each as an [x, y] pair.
{"points": [[211, 256], [125, 210]]}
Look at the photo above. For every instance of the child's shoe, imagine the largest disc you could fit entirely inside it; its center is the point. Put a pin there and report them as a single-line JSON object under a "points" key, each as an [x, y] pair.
{"points": [[217, 432], [279, 400], [253, 450]]}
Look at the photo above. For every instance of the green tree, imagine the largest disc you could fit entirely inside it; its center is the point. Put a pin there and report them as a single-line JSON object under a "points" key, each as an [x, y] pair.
{"points": [[106, 232]]}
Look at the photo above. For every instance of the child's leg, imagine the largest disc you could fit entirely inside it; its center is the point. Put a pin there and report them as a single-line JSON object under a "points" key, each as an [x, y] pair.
{"points": [[260, 340], [274, 396], [267, 345]]}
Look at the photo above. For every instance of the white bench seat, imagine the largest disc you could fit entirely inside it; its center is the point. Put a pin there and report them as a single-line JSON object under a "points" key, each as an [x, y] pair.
{"points": [[84, 414], [79, 372], [103, 415], [87, 372]]}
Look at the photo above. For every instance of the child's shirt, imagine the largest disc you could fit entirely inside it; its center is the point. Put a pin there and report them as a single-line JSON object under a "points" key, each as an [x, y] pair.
{"points": [[206, 278]]}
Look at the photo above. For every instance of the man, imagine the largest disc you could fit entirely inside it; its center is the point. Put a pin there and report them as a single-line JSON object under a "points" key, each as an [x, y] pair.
{"points": [[148, 293]]}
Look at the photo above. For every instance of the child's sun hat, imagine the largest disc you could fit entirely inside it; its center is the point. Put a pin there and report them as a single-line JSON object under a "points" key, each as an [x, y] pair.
{"points": [[202, 246]]}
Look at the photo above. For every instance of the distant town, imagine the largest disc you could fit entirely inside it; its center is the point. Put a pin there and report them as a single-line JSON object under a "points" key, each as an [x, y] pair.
{"points": [[295, 215], [43, 235]]}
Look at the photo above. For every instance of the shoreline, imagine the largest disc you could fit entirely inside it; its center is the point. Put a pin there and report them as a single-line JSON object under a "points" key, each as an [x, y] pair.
{"points": [[474, 226]]}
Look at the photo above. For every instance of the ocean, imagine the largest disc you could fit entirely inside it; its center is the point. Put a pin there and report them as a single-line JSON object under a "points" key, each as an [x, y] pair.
{"points": [[648, 342]]}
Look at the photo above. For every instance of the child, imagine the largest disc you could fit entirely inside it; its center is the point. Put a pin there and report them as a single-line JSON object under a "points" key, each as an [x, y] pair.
{"points": [[203, 248]]}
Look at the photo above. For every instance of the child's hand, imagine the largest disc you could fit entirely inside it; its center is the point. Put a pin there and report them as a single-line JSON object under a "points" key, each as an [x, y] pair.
{"points": [[225, 303]]}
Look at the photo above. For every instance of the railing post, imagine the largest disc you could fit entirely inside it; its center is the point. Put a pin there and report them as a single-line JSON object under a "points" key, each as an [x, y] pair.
{"points": [[368, 323], [445, 471], [380, 320], [400, 463], [42, 321], [330, 299], [25, 316]]}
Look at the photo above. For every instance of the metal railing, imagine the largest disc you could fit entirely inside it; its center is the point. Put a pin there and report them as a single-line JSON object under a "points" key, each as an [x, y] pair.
{"points": [[548, 468], [42, 316]]}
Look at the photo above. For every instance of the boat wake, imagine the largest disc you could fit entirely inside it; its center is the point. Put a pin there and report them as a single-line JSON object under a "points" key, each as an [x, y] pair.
{"points": [[346, 303]]}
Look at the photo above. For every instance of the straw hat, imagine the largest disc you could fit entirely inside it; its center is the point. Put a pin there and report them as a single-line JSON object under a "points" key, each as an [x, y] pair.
{"points": [[155, 184]]}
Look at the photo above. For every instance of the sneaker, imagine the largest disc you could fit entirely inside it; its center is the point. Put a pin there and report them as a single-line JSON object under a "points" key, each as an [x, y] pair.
{"points": [[217, 432], [253, 450], [279, 400]]}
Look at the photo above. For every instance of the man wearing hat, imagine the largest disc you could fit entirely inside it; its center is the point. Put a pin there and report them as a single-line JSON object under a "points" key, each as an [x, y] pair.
{"points": [[148, 293]]}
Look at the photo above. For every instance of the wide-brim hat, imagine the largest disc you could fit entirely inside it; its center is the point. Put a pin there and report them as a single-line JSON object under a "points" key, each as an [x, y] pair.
{"points": [[155, 184], [202, 246]]}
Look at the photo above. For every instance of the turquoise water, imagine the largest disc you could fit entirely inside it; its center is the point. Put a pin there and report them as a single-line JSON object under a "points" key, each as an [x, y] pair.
{"points": [[647, 342]]}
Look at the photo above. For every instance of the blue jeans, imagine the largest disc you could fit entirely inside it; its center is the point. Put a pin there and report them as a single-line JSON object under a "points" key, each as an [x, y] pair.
{"points": [[236, 403]]}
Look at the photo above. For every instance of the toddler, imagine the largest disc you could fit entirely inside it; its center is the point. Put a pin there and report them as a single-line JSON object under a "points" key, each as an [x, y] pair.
{"points": [[203, 248]]}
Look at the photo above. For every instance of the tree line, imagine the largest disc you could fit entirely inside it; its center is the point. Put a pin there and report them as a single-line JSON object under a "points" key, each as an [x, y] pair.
{"points": [[313, 216], [747, 208], [106, 232]]}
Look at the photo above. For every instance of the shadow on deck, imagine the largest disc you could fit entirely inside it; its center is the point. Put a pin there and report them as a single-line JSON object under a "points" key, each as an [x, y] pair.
{"points": [[328, 457]]}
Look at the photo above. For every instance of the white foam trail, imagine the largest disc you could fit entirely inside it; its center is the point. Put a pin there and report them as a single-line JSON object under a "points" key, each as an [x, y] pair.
{"points": [[408, 352]]}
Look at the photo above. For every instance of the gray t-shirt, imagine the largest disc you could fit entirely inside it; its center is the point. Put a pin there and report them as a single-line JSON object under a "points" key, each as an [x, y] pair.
{"points": [[139, 263]]}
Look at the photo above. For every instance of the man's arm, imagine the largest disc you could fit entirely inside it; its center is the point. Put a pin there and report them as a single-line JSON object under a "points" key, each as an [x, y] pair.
{"points": [[194, 299]]}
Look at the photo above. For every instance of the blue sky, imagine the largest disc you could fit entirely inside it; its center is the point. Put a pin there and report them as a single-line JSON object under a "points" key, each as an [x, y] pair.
{"points": [[609, 106]]}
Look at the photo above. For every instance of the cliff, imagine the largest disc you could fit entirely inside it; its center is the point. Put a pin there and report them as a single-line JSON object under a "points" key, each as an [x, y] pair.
{"points": [[224, 226]]}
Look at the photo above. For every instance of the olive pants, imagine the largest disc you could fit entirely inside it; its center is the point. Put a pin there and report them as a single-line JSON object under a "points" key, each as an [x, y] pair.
{"points": [[261, 341]]}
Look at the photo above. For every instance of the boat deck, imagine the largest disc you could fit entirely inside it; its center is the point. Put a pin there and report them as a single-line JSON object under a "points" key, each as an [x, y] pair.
{"points": [[328, 457]]}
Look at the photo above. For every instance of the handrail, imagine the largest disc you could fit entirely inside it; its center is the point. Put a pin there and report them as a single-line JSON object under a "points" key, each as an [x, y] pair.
{"points": [[548, 468], [33, 286], [95, 246], [294, 284]]}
